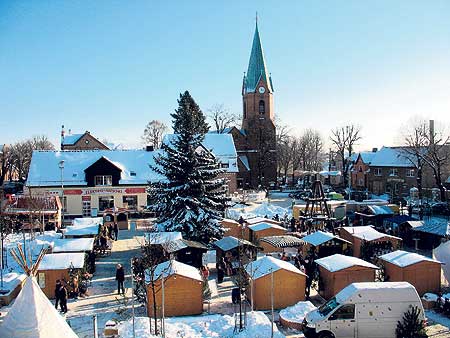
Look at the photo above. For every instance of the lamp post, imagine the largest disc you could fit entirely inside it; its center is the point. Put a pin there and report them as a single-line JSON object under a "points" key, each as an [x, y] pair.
{"points": [[61, 166]]}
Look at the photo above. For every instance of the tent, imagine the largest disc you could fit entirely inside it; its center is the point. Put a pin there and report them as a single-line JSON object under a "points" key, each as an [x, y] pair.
{"points": [[442, 254], [32, 314]]}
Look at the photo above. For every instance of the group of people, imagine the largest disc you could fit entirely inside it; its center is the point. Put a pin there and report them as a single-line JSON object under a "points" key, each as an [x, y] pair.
{"points": [[61, 295], [107, 233]]}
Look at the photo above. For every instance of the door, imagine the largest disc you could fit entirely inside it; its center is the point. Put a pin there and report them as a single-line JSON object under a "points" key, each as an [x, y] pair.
{"points": [[342, 321]]}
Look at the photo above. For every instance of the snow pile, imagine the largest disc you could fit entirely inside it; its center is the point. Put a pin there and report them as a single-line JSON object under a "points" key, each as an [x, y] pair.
{"points": [[209, 326], [296, 313], [270, 210], [431, 297]]}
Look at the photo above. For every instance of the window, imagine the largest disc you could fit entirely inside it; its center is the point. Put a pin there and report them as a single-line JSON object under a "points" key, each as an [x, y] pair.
{"points": [[377, 171], [393, 172], [224, 165], [328, 306], [103, 180], [132, 173], [105, 202], [262, 107], [410, 173], [86, 208], [130, 201], [360, 169], [345, 312]]}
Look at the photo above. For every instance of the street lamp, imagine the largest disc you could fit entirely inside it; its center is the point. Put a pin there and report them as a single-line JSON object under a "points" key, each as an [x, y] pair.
{"points": [[61, 166]]}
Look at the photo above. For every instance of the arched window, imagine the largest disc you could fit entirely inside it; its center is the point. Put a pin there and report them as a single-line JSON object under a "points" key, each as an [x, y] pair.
{"points": [[245, 110], [262, 107]]}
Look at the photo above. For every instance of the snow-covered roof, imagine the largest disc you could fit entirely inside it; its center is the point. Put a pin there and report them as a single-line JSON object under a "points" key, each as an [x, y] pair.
{"points": [[173, 267], [162, 237], [73, 245], [220, 145], [264, 226], [229, 242], [339, 262], [380, 209], [71, 139], [319, 237], [267, 264], [326, 173], [366, 232], [439, 227], [296, 313], [61, 261], [254, 220], [402, 291], [82, 230], [403, 258], [45, 171], [33, 316], [390, 157], [87, 221], [244, 160]]}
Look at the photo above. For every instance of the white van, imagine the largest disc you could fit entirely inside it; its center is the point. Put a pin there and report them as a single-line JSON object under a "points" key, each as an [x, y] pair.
{"points": [[363, 310]]}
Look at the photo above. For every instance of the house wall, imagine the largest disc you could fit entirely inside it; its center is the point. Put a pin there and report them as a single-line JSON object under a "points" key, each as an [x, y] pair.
{"points": [[357, 242], [182, 296], [333, 282], [384, 183], [289, 288], [359, 175], [75, 196], [266, 232], [86, 142], [425, 276]]}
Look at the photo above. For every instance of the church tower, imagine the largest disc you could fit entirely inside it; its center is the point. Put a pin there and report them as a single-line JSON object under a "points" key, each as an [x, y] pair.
{"points": [[258, 119]]}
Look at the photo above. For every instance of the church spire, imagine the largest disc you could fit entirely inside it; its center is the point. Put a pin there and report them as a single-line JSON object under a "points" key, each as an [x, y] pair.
{"points": [[257, 68]]}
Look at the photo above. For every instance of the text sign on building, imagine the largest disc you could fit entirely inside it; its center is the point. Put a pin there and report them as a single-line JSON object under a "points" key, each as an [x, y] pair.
{"points": [[103, 191]]}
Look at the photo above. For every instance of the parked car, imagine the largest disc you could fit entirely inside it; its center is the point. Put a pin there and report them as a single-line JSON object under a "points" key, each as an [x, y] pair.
{"points": [[363, 310]]}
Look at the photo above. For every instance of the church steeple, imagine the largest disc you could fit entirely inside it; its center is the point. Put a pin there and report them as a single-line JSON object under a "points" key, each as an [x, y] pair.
{"points": [[257, 69]]}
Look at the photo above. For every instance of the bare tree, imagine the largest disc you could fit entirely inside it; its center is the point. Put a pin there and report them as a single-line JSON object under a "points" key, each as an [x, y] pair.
{"points": [[222, 118], [154, 132], [284, 154], [344, 139]]}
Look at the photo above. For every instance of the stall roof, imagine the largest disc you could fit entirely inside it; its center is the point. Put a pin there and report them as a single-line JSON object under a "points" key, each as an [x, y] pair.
{"points": [[339, 262], [180, 244], [254, 220], [367, 233], [380, 209], [61, 261], [230, 242], [267, 264], [439, 227], [173, 267], [87, 221], [82, 230], [158, 238], [403, 258], [264, 226], [319, 237], [400, 219], [283, 241], [73, 245]]}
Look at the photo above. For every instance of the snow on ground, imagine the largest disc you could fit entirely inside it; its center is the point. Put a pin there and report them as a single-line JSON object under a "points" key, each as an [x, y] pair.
{"points": [[32, 246], [296, 313], [209, 326], [437, 318]]}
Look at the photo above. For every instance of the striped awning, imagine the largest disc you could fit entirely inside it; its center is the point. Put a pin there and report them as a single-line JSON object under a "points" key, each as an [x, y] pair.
{"points": [[284, 241]]}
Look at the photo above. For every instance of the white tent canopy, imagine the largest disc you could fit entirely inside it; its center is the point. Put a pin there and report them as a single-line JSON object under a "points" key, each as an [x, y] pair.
{"points": [[33, 316], [442, 253]]}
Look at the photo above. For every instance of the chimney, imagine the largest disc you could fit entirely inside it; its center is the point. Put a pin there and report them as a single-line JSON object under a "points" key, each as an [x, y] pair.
{"points": [[149, 148], [70, 131], [374, 150], [62, 137], [431, 131]]}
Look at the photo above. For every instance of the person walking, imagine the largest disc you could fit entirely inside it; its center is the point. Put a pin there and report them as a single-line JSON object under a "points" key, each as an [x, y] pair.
{"points": [[103, 243], [57, 293], [120, 277], [116, 231], [63, 297]]}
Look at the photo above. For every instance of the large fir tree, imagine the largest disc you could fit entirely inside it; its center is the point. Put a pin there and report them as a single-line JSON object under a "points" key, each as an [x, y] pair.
{"points": [[191, 198]]}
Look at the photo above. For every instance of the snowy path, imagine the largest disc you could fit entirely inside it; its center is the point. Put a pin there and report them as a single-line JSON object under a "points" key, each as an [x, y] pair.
{"points": [[103, 299]]}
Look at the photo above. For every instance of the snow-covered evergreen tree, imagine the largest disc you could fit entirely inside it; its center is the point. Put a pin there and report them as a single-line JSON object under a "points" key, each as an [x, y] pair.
{"points": [[191, 198]]}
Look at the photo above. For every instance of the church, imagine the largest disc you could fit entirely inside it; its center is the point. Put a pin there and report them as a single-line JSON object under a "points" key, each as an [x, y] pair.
{"points": [[255, 141]]}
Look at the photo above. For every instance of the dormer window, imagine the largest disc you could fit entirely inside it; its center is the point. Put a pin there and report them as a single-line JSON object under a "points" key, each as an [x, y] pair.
{"points": [[132, 173], [262, 107], [103, 180]]}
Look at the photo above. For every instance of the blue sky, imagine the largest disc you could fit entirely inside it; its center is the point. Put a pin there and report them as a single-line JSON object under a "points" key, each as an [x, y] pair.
{"points": [[112, 66]]}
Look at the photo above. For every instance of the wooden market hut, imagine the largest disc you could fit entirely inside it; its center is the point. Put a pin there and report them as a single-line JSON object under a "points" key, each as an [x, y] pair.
{"points": [[233, 228], [228, 249], [57, 266], [338, 271], [264, 229], [187, 252], [281, 243], [422, 272], [432, 232], [83, 227], [325, 244], [380, 243], [288, 283], [183, 289]]}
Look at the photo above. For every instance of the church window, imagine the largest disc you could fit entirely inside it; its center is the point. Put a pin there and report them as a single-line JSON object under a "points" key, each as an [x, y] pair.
{"points": [[245, 110], [262, 107]]}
